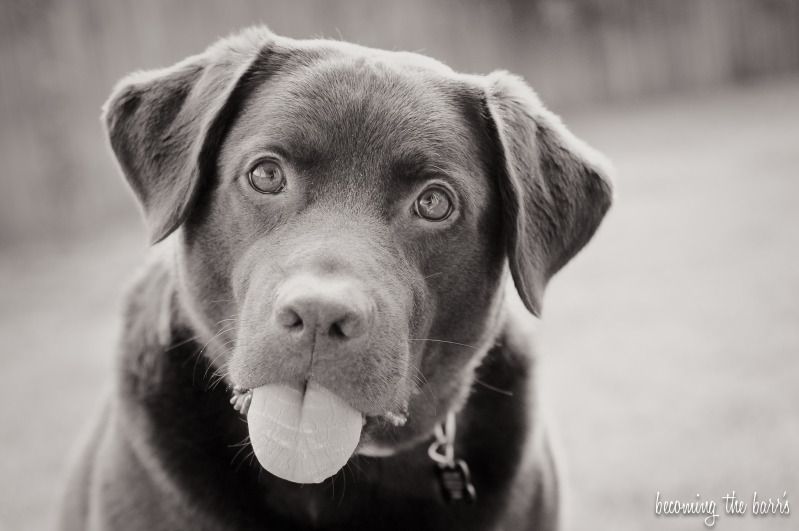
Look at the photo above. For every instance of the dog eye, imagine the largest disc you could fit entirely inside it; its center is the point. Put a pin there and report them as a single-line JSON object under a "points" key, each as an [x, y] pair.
{"points": [[267, 177], [434, 204]]}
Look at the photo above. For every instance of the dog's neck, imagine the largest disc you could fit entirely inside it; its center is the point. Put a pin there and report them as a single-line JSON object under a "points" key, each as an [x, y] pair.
{"points": [[178, 421]]}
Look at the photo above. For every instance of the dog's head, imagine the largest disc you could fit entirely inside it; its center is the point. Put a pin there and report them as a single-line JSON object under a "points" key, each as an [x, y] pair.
{"points": [[347, 215]]}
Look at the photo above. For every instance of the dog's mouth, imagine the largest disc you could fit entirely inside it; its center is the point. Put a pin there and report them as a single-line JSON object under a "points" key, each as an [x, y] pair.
{"points": [[307, 434], [325, 372]]}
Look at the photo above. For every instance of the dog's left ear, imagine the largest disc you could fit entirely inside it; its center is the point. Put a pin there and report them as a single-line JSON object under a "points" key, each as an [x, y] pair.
{"points": [[554, 188], [165, 125]]}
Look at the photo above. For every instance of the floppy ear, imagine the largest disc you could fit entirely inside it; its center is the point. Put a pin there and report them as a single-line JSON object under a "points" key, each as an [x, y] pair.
{"points": [[555, 189], [165, 125]]}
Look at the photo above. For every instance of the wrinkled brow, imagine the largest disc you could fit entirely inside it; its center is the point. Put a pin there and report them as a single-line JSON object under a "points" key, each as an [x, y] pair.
{"points": [[413, 166]]}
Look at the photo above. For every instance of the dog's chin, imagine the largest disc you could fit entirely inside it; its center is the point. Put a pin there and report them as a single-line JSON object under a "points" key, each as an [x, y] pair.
{"points": [[374, 449], [384, 437]]}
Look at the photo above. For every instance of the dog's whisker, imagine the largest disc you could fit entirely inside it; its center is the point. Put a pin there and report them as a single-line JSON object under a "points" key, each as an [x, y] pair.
{"points": [[249, 459], [421, 383], [493, 388], [354, 466], [418, 374], [182, 342], [443, 341], [226, 350], [198, 355], [213, 362], [343, 488], [242, 447], [218, 376], [228, 342]]}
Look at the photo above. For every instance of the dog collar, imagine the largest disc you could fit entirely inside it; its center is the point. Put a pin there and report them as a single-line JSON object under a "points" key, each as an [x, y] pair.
{"points": [[453, 473]]}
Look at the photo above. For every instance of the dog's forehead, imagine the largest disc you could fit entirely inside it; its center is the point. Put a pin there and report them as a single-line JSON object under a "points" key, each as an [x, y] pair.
{"points": [[367, 109]]}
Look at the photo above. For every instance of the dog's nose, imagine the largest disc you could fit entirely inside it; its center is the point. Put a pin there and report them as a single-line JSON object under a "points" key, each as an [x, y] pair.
{"points": [[310, 308]]}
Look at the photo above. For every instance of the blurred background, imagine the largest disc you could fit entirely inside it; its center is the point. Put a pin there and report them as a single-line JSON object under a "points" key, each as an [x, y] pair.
{"points": [[670, 346]]}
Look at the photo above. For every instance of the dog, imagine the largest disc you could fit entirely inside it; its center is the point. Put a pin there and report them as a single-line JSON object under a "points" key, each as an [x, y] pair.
{"points": [[368, 222]]}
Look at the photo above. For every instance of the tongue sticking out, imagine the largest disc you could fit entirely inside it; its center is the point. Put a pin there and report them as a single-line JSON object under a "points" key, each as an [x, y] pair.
{"points": [[304, 437]]}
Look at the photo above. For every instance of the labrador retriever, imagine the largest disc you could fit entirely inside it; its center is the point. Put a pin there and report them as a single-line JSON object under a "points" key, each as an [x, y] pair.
{"points": [[365, 235]]}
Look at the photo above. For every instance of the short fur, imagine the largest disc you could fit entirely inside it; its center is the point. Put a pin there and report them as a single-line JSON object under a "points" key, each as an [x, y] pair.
{"points": [[359, 133]]}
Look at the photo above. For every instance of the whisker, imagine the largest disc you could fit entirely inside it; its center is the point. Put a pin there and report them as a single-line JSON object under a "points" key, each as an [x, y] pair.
{"points": [[443, 341], [181, 343], [343, 487], [493, 388], [214, 360], [198, 354]]}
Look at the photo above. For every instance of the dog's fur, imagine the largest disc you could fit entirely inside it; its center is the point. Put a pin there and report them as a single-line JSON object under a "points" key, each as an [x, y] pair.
{"points": [[359, 132]]}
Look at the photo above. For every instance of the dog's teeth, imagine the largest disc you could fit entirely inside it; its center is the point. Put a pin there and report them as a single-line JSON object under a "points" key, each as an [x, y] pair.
{"points": [[241, 399], [396, 419]]}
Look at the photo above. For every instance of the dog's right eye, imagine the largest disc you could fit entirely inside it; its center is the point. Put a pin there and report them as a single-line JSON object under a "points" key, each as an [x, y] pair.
{"points": [[267, 177]]}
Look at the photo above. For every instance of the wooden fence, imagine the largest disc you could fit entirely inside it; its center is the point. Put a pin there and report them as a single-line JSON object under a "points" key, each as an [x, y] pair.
{"points": [[59, 59]]}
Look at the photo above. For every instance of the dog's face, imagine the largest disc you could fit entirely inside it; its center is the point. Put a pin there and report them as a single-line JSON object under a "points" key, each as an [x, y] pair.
{"points": [[347, 215], [352, 223]]}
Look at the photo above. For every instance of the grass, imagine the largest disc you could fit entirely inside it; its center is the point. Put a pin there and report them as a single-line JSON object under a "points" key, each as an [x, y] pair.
{"points": [[670, 346]]}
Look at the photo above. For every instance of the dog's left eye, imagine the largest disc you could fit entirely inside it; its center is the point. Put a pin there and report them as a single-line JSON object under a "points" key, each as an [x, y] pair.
{"points": [[267, 177], [434, 204]]}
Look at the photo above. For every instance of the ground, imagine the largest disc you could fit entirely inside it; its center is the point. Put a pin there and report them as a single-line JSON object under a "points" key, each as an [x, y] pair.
{"points": [[670, 346]]}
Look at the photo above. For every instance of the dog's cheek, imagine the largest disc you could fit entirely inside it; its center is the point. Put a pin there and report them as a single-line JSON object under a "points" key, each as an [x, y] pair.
{"points": [[254, 280], [461, 316], [207, 251]]}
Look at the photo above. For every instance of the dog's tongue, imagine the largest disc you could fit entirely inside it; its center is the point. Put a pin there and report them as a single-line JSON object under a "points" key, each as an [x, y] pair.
{"points": [[304, 437]]}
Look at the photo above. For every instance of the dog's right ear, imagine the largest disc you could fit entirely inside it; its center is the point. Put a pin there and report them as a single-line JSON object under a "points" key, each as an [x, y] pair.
{"points": [[165, 125]]}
